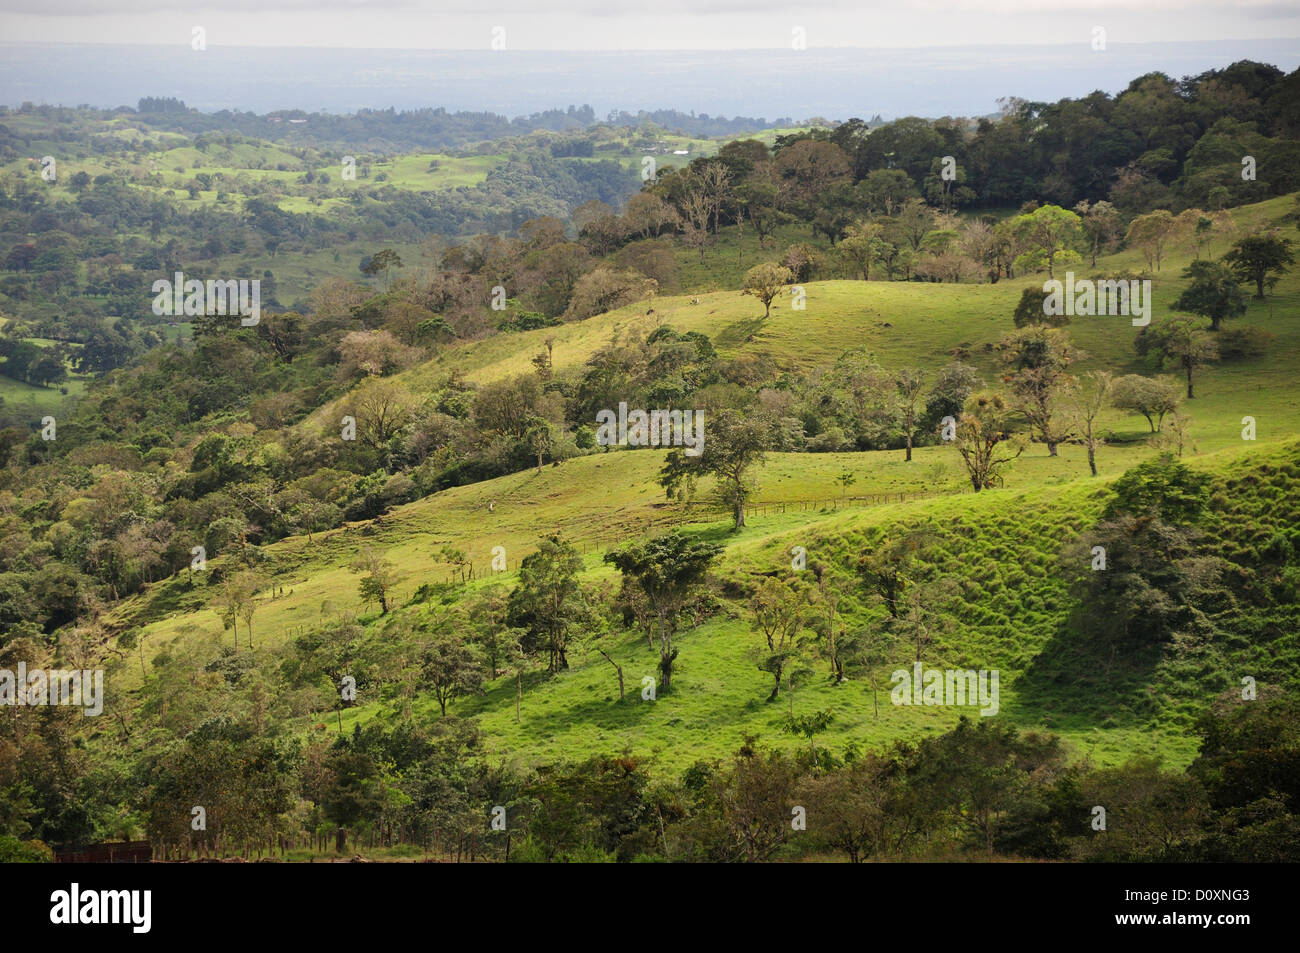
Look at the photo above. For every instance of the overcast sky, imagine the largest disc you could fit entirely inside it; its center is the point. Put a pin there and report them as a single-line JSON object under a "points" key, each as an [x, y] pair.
{"points": [[643, 24]]}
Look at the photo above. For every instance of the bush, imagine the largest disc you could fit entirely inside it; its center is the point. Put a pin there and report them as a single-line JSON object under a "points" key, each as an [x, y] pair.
{"points": [[15, 851], [1237, 344]]}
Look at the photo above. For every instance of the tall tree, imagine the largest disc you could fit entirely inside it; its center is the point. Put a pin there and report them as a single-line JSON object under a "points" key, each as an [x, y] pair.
{"points": [[985, 439], [667, 569], [1101, 224], [1149, 233], [449, 666], [1178, 342], [378, 577], [765, 282], [1260, 259], [778, 610], [1152, 397], [1037, 359], [1085, 408], [734, 446], [910, 381], [1213, 293], [549, 601]]}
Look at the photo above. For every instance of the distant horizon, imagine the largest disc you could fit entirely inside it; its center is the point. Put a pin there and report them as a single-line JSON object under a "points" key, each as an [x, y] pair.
{"points": [[657, 49], [616, 25], [834, 83]]}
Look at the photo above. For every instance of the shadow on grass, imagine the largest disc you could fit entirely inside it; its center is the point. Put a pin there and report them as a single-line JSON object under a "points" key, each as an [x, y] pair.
{"points": [[739, 332], [1073, 678]]}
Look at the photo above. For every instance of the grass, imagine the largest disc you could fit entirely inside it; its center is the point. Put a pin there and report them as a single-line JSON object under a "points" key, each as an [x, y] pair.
{"points": [[1002, 547]]}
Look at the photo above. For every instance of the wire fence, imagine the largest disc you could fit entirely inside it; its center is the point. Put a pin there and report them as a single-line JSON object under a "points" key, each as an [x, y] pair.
{"points": [[693, 510]]}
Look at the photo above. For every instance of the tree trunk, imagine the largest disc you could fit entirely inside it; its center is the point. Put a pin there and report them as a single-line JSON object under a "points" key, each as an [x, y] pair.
{"points": [[665, 655], [618, 668]]}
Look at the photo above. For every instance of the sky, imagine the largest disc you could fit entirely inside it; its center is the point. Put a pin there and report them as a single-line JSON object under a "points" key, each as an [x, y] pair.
{"points": [[641, 25]]}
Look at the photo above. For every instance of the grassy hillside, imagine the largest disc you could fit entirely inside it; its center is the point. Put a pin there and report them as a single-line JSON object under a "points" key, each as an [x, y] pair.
{"points": [[1000, 549]]}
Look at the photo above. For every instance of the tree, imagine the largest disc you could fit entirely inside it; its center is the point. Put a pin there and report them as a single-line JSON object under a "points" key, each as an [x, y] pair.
{"points": [[884, 191], [373, 353], [549, 601], [827, 598], [1178, 342], [984, 426], [1050, 229], [867, 649], [1180, 426], [1260, 259], [765, 282], [981, 771], [758, 199], [914, 221], [1149, 233], [778, 611], [846, 479], [947, 397], [886, 570], [714, 179], [380, 263], [810, 168], [48, 368], [1038, 358], [449, 666], [378, 577], [605, 289], [1031, 311], [909, 381], [696, 210], [247, 583], [734, 447], [647, 214], [541, 438], [1101, 223], [666, 569], [382, 407], [225, 603], [862, 245], [1152, 397], [856, 809], [1085, 408], [1213, 293], [1155, 582]]}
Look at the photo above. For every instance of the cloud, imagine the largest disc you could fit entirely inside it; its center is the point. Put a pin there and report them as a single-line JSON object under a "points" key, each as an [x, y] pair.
{"points": [[632, 8]]}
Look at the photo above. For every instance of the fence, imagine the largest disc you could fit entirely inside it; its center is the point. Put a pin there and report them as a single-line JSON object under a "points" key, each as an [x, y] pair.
{"points": [[825, 503], [775, 508]]}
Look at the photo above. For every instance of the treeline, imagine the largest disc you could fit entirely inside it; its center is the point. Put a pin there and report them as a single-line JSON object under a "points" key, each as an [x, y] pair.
{"points": [[390, 130], [983, 790], [210, 727]]}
